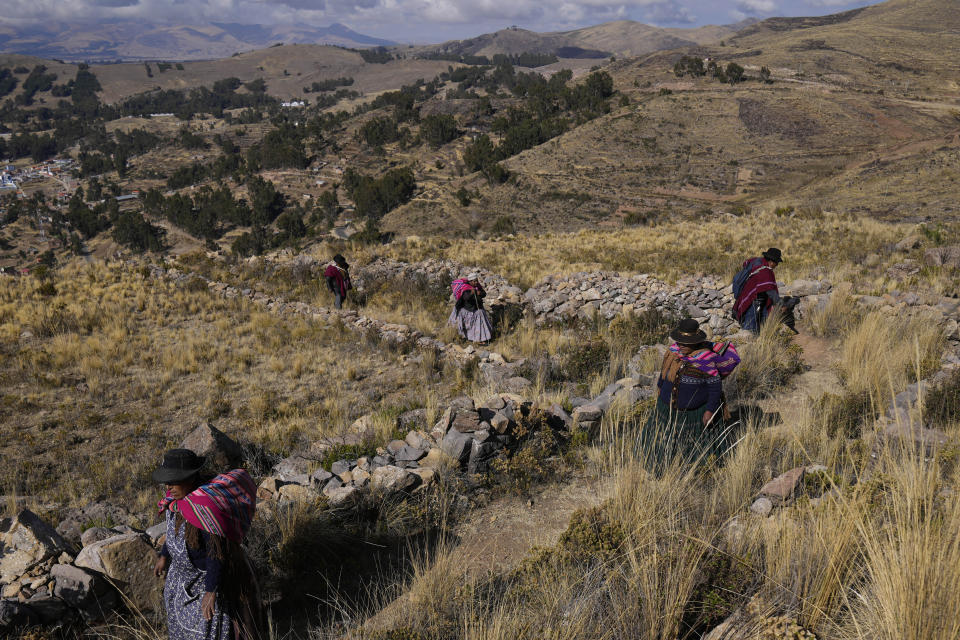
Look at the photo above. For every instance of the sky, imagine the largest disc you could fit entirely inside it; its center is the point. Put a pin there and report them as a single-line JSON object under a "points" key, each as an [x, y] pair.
{"points": [[421, 20]]}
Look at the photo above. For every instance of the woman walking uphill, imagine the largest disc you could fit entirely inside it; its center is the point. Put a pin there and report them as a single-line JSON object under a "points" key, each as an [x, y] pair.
{"points": [[337, 275], [468, 315], [210, 592], [688, 422]]}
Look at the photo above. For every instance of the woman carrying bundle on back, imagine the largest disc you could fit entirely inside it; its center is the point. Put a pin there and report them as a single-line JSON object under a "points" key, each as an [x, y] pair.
{"points": [[469, 316], [210, 591], [689, 421]]}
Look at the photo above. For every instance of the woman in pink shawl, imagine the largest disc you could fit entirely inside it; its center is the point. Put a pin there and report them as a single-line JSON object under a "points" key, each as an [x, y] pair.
{"points": [[468, 315], [210, 592]]}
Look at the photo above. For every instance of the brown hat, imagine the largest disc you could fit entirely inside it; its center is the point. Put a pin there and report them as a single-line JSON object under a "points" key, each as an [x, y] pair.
{"points": [[688, 332]]}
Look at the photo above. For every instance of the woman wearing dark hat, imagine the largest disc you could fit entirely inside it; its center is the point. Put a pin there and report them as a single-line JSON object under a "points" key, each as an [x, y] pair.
{"points": [[755, 289], [337, 275], [210, 592], [688, 421]]}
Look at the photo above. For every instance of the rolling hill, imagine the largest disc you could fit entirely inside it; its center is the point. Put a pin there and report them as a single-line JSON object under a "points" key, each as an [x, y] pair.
{"points": [[138, 40], [862, 115], [620, 38]]}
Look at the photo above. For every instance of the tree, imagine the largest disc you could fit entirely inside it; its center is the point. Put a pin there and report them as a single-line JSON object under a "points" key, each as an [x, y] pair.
{"points": [[438, 129], [266, 202], [734, 73]]}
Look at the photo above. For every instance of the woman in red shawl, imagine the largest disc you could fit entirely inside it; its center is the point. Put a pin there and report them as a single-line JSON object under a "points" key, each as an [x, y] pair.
{"points": [[210, 592], [755, 288], [337, 274]]}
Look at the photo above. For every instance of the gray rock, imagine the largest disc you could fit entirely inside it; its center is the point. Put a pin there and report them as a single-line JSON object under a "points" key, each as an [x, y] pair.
{"points": [[394, 446], [466, 421], [343, 496], [340, 466], [495, 403], [457, 445], [320, 477], [462, 402], [481, 453], [517, 384], [409, 454], [587, 413], [696, 312], [393, 479], [294, 469], [220, 450], [83, 590], [128, 561], [156, 531], [762, 506], [419, 440], [96, 534]]}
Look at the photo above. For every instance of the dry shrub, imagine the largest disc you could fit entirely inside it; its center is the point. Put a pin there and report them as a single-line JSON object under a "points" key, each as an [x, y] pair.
{"points": [[837, 316], [883, 353], [767, 363]]}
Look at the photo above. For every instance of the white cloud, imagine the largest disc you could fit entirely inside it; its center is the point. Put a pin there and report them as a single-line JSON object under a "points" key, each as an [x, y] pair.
{"points": [[751, 7]]}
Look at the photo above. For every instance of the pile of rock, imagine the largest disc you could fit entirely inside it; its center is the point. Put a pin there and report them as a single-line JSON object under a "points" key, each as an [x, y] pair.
{"points": [[42, 582], [584, 295], [436, 273]]}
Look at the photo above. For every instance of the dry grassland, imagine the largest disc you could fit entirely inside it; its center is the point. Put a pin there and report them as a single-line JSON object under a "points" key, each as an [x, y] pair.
{"points": [[866, 552], [115, 367]]}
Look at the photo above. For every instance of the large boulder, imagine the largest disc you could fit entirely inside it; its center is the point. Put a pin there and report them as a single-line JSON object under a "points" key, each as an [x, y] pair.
{"points": [[83, 590], [221, 451], [457, 445], [943, 256], [393, 479], [127, 560], [25, 541]]}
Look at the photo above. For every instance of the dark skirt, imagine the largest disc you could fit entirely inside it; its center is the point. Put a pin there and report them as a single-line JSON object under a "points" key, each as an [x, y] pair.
{"points": [[671, 435], [472, 325]]}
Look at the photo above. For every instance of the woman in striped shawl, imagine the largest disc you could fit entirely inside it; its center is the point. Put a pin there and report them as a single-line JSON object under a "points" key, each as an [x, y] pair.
{"points": [[210, 592]]}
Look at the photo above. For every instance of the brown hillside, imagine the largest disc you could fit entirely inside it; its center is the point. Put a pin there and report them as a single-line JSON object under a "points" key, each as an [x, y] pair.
{"points": [[303, 64], [851, 129]]}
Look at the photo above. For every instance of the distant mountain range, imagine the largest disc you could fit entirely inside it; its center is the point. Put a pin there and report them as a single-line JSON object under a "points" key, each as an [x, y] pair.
{"points": [[621, 38], [138, 40]]}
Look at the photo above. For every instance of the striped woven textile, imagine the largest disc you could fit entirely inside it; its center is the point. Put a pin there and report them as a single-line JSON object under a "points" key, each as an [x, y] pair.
{"points": [[225, 506], [704, 361], [761, 279], [460, 286]]}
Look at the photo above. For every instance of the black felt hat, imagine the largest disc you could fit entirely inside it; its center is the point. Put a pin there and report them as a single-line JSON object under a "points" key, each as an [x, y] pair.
{"points": [[773, 254], [688, 332], [178, 465]]}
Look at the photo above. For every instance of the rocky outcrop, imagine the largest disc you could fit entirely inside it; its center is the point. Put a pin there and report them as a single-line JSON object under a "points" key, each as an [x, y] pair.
{"points": [[127, 561], [219, 449]]}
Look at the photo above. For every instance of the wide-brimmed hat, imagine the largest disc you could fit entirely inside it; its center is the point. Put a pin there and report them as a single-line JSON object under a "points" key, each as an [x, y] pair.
{"points": [[177, 465], [773, 254], [688, 332]]}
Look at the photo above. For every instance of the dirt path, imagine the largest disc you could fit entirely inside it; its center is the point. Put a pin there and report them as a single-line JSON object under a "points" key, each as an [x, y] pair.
{"points": [[820, 357]]}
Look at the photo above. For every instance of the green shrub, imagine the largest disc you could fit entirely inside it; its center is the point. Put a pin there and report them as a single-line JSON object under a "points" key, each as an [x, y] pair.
{"points": [[585, 359]]}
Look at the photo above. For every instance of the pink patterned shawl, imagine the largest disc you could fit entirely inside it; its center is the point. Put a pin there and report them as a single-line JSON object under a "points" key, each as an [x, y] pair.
{"points": [[225, 506]]}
